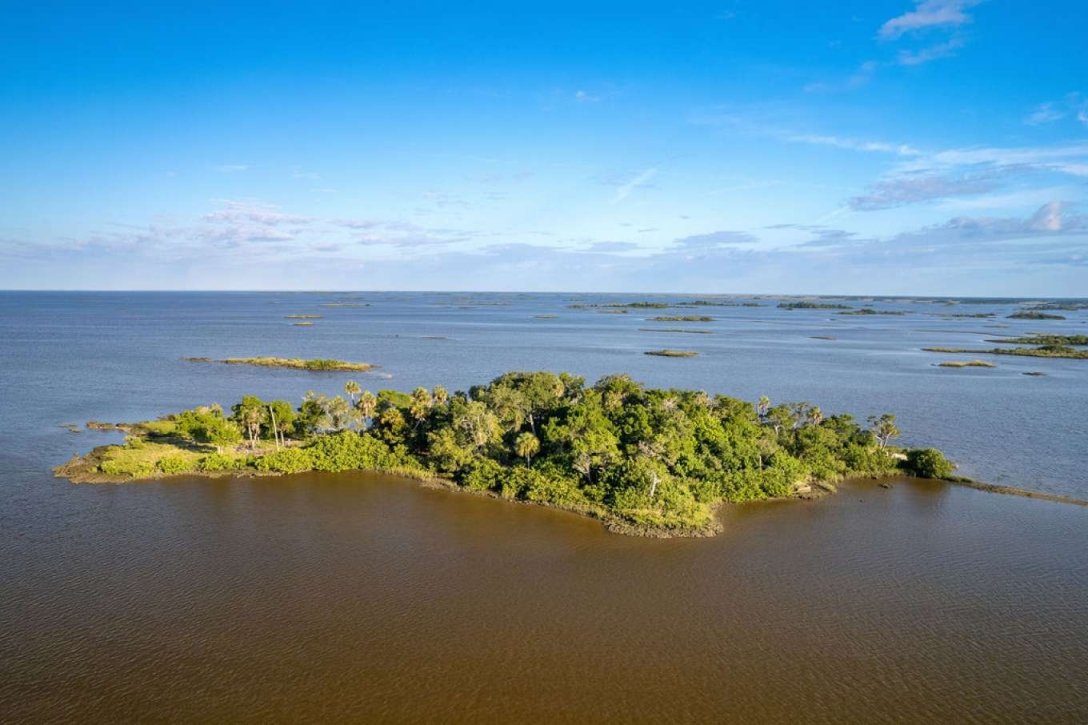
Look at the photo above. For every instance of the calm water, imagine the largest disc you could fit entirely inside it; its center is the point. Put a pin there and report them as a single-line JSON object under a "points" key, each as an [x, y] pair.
{"points": [[362, 597]]}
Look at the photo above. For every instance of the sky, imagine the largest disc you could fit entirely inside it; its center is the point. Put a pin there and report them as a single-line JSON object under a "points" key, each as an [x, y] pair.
{"points": [[933, 147]]}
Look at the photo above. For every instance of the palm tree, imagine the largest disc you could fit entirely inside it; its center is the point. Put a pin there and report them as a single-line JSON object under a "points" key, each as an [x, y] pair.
{"points": [[440, 395], [527, 445], [815, 415], [763, 407], [352, 389], [367, 405], [420, 405]]}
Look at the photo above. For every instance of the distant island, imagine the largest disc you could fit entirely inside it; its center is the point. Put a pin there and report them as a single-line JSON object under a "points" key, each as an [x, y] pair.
{"points": [[812, 306], [645, 461], [315, 365]]}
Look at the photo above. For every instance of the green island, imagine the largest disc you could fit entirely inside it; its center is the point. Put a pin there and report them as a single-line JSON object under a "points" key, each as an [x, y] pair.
{"points": [[1069, 340], [645, 461], [671, 353], [1034, 315], [314, 365], [1057, 351], [872, 311], [812, 306], [681, 318], [965, 364]]}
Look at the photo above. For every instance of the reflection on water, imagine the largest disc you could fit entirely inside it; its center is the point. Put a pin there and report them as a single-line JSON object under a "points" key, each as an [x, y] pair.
{"points": [[364, 597]]}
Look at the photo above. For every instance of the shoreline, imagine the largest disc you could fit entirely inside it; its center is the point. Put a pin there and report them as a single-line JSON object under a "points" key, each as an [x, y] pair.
{"points": [[83, 469]]}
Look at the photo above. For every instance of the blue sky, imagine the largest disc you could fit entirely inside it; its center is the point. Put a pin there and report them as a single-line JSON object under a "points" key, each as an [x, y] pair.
{"points": [[887, 146]]}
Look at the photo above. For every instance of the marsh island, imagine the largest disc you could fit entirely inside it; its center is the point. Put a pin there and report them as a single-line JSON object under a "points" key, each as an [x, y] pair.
{"points": [[643, 460]]}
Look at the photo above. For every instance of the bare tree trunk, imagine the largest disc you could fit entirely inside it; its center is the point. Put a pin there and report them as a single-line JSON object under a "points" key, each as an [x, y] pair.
{"points": [[653, 486], [275, 429]]}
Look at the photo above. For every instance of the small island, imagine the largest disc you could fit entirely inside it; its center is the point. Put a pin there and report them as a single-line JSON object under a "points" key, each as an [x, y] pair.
{"points": [[681, 318], [1057, 351], [646, 461], [314, 365], [812, 306], [671, 353], [1034, 315], [965, 364], [873, 311]]}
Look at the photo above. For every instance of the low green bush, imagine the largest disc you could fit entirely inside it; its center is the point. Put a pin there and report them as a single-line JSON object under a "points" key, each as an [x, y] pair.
{"points": [[928, 463]]}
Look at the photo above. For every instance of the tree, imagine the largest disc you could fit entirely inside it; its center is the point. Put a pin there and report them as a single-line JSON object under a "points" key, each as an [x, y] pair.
{"points": [[420, 405], [207, 425], [251, 413], [441, 395], [527, 445], [815, 415], [352, 389], [479, 424], [367, 406], [884, 428], [763, 407]]}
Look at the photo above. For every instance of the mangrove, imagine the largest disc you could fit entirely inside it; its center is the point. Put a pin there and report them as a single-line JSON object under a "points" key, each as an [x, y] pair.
{"points": [[645, 461]]}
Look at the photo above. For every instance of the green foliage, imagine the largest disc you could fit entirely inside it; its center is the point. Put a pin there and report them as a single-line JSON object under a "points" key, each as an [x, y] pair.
{"points": [[645, 457], [349, 451], [286, 460], [172, 465], [928, 463], [218, 462]]}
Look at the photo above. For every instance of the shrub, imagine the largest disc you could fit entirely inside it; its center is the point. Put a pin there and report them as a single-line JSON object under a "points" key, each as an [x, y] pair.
{"points": [[348, 451], [220, 462], [124, 467], [483, 475], [287, 460], [928, 463], [173, 465]]}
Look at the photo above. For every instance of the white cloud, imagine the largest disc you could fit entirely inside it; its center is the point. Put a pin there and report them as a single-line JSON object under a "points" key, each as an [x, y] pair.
{"points": [[928, 14], [854, 144], [933, 52], [231, 168], [584, 97]]}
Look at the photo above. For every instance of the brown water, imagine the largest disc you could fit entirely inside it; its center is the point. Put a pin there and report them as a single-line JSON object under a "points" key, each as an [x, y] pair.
{"points": [[358, 597]]}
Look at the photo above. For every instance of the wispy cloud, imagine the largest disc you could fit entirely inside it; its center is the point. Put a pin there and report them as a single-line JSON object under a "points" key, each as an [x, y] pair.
{"points": [[231, 168], [913, 188], [933, 52], [255, 212], [1074, 106], [928, 14], [854, 144], [714, 240], [638, 180], [586, 97]]}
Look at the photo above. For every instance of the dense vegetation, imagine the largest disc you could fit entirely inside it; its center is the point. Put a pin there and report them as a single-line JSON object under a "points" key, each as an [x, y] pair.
{"points": [[645, 460]]}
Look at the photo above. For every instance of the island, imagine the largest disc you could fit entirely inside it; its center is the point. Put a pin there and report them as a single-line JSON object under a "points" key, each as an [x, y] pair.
{"points": [[1034, 315], [322, 365], [646, 461], [812, 306], [681, 318], [1048, 350], [671, 353]]}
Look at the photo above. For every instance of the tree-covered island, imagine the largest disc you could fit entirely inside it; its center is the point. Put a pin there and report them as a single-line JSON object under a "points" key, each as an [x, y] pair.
{"points": [[644, 460]]}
